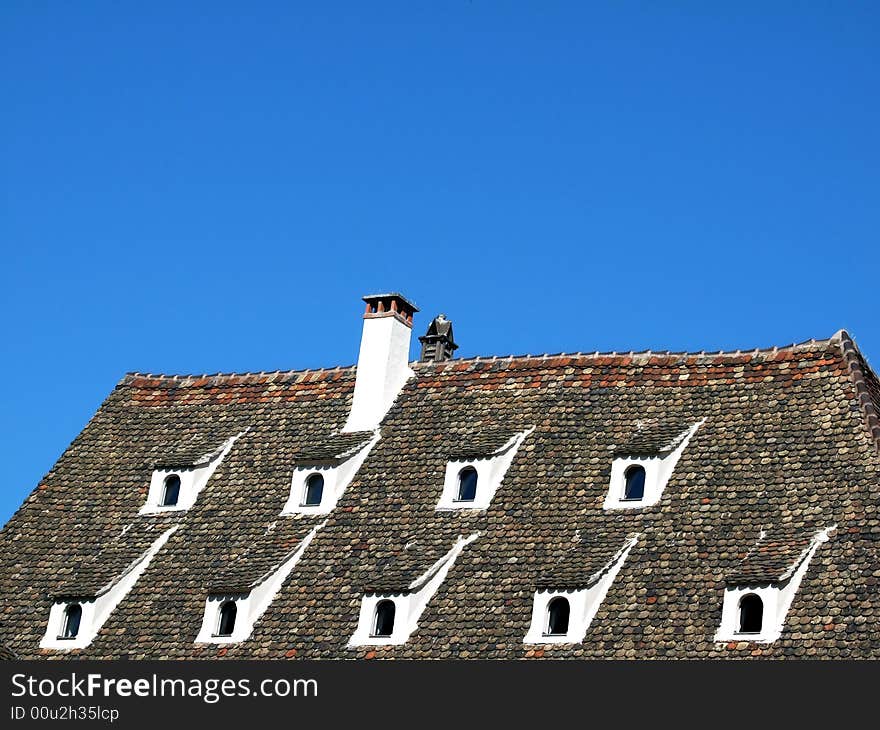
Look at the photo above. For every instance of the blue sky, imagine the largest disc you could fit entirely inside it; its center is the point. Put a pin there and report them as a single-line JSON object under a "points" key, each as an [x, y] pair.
{"points": [[210, 187]]}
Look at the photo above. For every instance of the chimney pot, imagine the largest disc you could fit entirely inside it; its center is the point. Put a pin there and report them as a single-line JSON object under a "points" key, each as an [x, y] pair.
{"points": [[438, 343]]}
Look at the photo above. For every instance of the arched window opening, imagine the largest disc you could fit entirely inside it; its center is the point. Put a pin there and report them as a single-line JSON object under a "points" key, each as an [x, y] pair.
{"points": [[314, 490], [384, 622], [72, 618], [558, 611], [467, 484], [751, 614], [171, 490], [226, 624], [635, 483]]}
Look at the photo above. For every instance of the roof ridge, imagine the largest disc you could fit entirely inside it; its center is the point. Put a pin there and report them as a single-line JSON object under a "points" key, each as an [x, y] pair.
{"points": [[494, 358], [254, 373], [804, 344], [860, 371]]}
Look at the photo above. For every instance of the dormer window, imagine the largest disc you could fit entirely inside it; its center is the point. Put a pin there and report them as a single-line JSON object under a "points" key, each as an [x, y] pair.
{"points": [[476, 469], [176, 483], [642, 466], [383, 625], [558, 612], [242, 590], [571, 591], [634, 487], [85, 601], [324, 469], [314, 490], [467, 485], [72, 618], [226, 622], [751, 614], [171, 490], [761, 588], [403, 584]]}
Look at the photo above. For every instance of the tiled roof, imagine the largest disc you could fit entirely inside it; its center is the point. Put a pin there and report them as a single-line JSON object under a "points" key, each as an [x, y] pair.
{"points": [[476, 444], [397, 569], [654, 438], [6, 654], [774, 557], [247, 565], [584, 562], [333, 447], [867, 385], [89, 574], [198, 452], [784, 444]]}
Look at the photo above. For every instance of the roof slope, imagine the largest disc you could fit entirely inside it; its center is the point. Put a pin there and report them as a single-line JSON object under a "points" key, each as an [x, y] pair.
{"points": [[582, 564], [773, 558], [253, 562], [91, 574], [332, 448], [654, 438], [784, 444]]}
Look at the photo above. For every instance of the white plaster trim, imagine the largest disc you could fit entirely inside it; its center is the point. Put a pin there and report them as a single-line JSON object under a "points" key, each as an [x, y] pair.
{"points": [[382, 370], [408, 606], [776, 597], [96, 609], [490, 473], [658, 470], [251, 605], [192, 481], [583, 603], [336, 478]]}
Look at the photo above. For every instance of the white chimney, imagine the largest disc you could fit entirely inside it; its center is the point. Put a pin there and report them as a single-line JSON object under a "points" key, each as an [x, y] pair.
{"points": [[383, 362]]}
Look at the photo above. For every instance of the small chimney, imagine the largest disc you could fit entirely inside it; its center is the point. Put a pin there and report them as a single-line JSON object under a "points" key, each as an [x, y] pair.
{"points": [[438, 343], [383, 361]]}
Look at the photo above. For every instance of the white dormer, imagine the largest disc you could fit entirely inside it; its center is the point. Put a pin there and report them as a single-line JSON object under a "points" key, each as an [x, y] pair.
{"points": [[639, 477], [388, 619], [75, 621], [755, 606], [230, 617], [175, 488], [562, 616], [471, 483], [320, 479]]}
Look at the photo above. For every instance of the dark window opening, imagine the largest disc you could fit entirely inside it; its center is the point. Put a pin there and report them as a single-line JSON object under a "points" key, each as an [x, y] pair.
{"points": [[635, 483], [314, 490], [751, 614], [226, 625], [171, 491], [384, 623], [467, 485], [72, 618], [558, 611]]}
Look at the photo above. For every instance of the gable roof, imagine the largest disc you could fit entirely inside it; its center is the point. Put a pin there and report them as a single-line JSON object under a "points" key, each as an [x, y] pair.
{"points": [[784, 444]]}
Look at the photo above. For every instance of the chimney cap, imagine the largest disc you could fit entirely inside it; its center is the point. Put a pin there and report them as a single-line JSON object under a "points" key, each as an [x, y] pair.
{"points": [[370, 298]]}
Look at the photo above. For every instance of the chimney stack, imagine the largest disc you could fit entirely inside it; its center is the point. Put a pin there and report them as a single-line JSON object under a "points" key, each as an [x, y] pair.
{"points": [[438, 343], [383, 361]]}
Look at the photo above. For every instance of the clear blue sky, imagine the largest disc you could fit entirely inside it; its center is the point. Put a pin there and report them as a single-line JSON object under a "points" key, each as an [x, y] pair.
{"points": [[202, 187]]}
